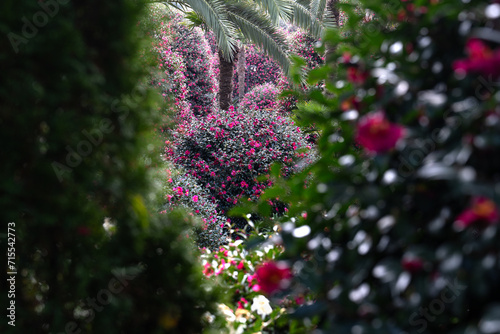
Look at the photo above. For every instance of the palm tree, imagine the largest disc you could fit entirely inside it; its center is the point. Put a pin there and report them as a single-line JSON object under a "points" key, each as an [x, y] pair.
{"points": [[241, 72], [230, 20], [256, 21], [315, 16]]}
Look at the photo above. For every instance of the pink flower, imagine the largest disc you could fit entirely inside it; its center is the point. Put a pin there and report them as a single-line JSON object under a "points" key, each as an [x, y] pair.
{"points": [[195, 198], [242, 303], [252, 282], [481, 59], [272, 276], [376, 134], [412, 264], [482, 209], [356, 76], [208, 270]]}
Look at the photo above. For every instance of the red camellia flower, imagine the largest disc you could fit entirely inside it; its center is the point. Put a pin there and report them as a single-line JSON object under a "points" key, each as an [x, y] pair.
{"points": [[481, 59], [412, 264], [376, 134], [356, 75], [272, 276], [482, 209]]}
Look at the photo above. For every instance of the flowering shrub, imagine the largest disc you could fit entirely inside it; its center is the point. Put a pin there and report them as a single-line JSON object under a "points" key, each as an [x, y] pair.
{"points": [[256, 288], [170, 76], [227, 151], [74, 92], [182, 190], [198, 59], [303, 45], [261, 97], [212, 41], [260, 69], [396, 239]]}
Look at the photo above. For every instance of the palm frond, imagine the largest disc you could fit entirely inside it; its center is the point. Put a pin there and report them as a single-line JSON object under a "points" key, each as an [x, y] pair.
{"points": [[304, 3], [317, 9], [304, 19], [195, 20], [277, 9], [332, 16], [260, 30], [214, 15], [171, 5]]}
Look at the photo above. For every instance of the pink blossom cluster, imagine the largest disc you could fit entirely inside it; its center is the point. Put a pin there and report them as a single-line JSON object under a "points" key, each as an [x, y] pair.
{"points": [[182, 190], [260, 69], [169, 76], [303, 45], [201, 79], [226, 151], [261, 97]]}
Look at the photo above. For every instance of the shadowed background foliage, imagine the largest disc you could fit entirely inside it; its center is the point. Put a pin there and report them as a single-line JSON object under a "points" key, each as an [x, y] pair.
{"points": [[76, 118]]}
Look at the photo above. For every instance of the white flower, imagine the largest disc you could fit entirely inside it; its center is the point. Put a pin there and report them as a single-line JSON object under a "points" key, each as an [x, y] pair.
{"points": [[237, 243], [209, 317], [261, 305], [267, 248], [227, 312], [239, 330]]}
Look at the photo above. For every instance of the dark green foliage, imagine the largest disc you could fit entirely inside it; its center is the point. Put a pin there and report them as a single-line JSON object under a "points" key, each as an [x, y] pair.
{"points": [[75, 118], [385, 252]]}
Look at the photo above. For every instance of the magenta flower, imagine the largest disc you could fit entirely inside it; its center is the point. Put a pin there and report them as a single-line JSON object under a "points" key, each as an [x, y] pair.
{"points": [[412, 264], [482, 209], [481, 59], [356, 75], [195, 198], [272, 276], [376, 134]]}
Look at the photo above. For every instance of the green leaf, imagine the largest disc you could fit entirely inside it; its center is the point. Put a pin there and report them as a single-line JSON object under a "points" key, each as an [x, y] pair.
{"points": [[318, 74]]}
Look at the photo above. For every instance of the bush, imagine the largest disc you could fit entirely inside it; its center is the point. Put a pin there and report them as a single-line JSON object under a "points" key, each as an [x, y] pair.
{"points": [[401, 225], [182, 190], [76, 115], [255, 284], [200, 77], [226, 152], [260, 69], [303, 45], [170, 75], [261, 97]]}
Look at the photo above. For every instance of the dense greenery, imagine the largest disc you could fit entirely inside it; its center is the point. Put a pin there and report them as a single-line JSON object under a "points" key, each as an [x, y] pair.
{"points": [[398, 226], [76, 115], [393, 228]]}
